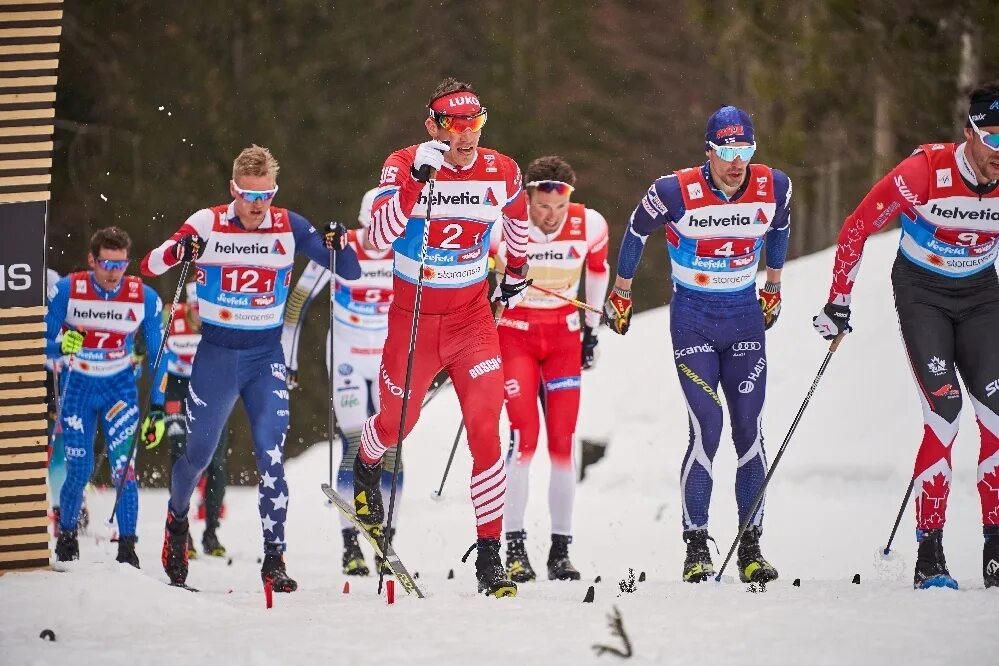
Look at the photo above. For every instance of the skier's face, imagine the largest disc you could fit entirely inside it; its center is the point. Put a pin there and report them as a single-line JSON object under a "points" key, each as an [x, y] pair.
{"points": [[251, 213], [729, 174], [984, 159], [107, 274], [463, 144], [547, 209]]}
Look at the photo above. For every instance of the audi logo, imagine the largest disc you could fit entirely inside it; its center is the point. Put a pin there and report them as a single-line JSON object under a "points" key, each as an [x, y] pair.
{"points": [[747, 346]]}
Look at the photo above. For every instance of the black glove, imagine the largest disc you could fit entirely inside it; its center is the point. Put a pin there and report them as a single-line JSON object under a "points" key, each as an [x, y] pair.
{"points": [[832, 321], [335, 235], [189, 248], [589, 347], [510, 290]]}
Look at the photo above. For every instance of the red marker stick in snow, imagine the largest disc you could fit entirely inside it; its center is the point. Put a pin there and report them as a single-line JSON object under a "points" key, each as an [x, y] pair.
{"points": [[269, 594], [390, 592]]}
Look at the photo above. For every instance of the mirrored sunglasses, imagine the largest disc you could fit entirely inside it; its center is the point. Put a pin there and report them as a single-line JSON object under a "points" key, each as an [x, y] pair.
{"points": [[990, 140], [729, 153], [113, 264], [250, 196], [459, 124], [548, 186]]}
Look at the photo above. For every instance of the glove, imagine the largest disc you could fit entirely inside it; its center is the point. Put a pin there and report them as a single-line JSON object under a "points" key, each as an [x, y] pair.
{"points": [[292, 379], [832, 320], [617, 310], [189, 248], [510, 291], [770, 303], [589, 347], [153, 427], [72, 342], [429, 155], [334, 236]]}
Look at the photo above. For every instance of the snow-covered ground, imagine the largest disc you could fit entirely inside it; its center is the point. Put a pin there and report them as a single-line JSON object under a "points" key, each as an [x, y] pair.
{"points": [[831, 504]]}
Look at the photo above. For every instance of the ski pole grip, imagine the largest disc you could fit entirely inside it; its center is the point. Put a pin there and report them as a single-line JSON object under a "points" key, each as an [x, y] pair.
{"points": [[834, 345]]}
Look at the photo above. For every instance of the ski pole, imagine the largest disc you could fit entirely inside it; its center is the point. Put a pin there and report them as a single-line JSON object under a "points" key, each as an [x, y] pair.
{"points": [[433, 394], [794, 424], [898, 518], [573, 301], [181, 284], [329, 366], [454, 447], [409, 370]]}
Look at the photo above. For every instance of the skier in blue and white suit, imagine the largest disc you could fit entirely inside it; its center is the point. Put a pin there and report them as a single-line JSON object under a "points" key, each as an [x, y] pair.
{"points": [[716, 218], [245, 253], [98, 313]]}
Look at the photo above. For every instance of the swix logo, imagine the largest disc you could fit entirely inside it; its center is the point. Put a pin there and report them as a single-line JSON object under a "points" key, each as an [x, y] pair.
{"points": [[712, 221], [904, 190], [261, 301], [956, 213], [90, 313], [740, 262], [489, 365], [461, 199], [233, 248], [731, 130], [992, 387], [489, 198], [463, 100], [278, 248], [761, 217], [978, 117]]}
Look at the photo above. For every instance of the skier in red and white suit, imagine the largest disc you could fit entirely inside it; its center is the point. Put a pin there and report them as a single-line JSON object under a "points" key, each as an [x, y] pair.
{"points": [[544, 343], [475, 188]]}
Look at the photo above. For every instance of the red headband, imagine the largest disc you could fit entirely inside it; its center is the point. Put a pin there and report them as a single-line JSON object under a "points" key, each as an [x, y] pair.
{"points": [[457, 104]]}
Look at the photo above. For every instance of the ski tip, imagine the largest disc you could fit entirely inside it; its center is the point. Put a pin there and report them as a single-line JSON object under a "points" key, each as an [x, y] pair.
{"points": [[856, 579], [590, 593], [797, 582], [47, 635], [945, 582]]}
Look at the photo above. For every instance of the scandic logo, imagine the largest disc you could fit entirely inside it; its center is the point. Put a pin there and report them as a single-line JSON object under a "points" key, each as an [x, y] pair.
{"points": [[958, 214], [712, 221], [233, 248]]}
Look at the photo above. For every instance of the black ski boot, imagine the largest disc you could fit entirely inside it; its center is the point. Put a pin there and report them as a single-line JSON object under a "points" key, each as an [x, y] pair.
{"points": [[489, 569], [990, 556], [126, 551], [518, 566], [368, 495], [274, 573], [559, 566], [381, 564], [931, 565], [67, 546], [697, 567], [752, 567], [353, 558], [174, 555], [211, 545]]}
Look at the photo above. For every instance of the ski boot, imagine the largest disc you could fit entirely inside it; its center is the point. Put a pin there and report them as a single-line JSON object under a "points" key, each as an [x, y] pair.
{"points": [[489, 570], [559, 566], [126, 551], [211, 545], [67, 546], [752, 567], [176, 537], [931, 565], [697, 567], [518, 566], [990, 556], [272, 572], [353, 558], [368, 495], [192, 552], [381, 564]]}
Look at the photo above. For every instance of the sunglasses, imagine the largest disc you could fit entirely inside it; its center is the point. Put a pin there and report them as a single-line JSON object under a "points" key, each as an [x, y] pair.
{"points": [[250, 196], [991, 141], [459, 124], [729, 153], [549, 186], [113, 264]]}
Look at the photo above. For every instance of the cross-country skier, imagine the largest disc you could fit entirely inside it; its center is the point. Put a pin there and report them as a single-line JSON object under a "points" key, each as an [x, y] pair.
{"points": [[359, 328], [716, 217], [178, 359], [98, 313], [544, 341], [475, 188], [245, 253], [947, 298]]}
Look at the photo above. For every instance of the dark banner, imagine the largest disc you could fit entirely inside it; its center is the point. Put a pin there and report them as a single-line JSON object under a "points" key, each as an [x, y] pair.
{"points": [[22, 254]]}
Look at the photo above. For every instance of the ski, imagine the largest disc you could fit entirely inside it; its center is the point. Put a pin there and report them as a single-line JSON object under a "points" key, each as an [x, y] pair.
{"points": [[391, 557], [184, 586]]}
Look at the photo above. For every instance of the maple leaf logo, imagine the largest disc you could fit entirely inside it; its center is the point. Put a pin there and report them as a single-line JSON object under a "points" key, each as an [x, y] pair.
{"points": [[937, 366], [933, 503]]}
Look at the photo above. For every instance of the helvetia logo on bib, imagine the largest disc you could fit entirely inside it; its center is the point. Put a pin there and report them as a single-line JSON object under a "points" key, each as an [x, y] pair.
{"points": [[278, 248], [572, 253], [131, 316], [489, 198], [761, 217]]}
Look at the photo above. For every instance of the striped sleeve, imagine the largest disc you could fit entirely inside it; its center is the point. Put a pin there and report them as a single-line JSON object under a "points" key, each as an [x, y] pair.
{"points": [[515, 230], [597, 270], [398, 193], [162, 258]]}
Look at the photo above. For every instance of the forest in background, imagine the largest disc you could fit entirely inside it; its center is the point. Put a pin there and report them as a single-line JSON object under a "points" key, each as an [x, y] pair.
{"points": [[154, 102]]}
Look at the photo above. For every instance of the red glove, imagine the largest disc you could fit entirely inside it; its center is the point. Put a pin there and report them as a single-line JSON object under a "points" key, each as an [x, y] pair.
{"points": [[770, 303], [617, 310]]}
